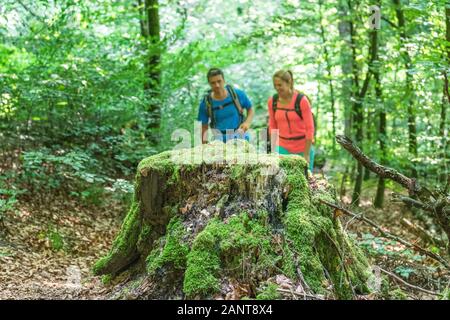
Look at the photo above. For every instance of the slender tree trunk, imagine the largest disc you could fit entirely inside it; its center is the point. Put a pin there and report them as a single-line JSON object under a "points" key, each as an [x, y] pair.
{"points": [[369, 119], [443, 129], [150, 29], [356, 119], [347, 65], [379, 198], [329, 74], [412, 131], [359, 110]]}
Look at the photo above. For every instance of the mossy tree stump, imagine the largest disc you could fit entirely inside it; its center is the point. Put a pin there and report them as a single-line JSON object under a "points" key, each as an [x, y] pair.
{"points": [[234, 222]]}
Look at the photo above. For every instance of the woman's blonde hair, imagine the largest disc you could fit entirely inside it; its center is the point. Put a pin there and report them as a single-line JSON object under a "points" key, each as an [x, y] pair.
{"points": [[286, 76]]}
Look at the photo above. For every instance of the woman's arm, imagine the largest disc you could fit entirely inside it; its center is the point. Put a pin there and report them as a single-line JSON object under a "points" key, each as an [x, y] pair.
{"points": [[309, 125], [272, 122]]}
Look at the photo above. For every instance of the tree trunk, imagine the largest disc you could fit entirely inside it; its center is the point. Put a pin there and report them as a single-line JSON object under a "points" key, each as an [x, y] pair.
{"points": [[347, 65], [369, 119], [379, 198], [412, 131], [329, 74], [198, 230], [150, 29], [359, 110], [443, 125]]}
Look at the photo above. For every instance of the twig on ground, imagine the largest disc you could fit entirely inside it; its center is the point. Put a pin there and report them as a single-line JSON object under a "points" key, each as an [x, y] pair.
{"points": [[390, 235], [301, 295], [408, 284]]}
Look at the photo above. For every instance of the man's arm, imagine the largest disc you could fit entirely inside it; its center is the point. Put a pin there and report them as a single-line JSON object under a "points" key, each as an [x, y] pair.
{"points": [[204, 133], [246, 124]]}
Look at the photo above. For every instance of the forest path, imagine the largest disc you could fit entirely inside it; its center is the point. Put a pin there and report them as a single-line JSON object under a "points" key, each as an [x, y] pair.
{"points": [[49, 250]]}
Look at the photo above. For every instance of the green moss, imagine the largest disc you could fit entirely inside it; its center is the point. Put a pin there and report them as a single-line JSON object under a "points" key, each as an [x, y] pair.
{"points": [[174, 251], [445, 295], [300, 228], [270, 292], [106, 279], [398, 294], [231, 244], [288, 263], [124, 246], [175, 176], [161, 161], [203, 263], [316, 238], [237, 172], [145, 234]]}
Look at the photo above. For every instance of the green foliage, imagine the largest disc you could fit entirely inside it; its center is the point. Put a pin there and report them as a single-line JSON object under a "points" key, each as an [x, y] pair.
{"points": [[405, 272], [398, 294], [54, 237], [380, 246], [269, 293], [45, 170], [8, 201], [9, 196]]}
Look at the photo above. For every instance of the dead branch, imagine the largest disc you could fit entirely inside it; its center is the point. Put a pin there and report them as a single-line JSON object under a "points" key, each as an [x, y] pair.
{"points": [[408, 284], [413, 202], [421, 232], [389, 235], [301, 295], [380, 170], [431, 201]]}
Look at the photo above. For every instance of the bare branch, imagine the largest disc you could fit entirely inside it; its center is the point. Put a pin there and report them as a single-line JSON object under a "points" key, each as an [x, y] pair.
{"points": [[413, 202], [301, 295], [408, 284], [380, 170], [390, 235], [392, 24]]}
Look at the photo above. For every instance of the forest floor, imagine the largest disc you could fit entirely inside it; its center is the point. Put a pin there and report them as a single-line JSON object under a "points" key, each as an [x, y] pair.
{"points": [[418, 270], [49, 249]]}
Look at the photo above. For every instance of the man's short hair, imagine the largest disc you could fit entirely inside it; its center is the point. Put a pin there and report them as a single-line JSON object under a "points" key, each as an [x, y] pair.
{"points": [[214, 72]]}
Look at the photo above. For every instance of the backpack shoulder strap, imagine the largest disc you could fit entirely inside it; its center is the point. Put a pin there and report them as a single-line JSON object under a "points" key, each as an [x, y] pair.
{"points": [[209, 109], [275, 102], [298, 110], [298, 100], [235, 99]]}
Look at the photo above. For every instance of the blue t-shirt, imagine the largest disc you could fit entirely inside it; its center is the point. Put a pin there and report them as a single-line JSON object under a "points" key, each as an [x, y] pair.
{"points": [[228, 117]]}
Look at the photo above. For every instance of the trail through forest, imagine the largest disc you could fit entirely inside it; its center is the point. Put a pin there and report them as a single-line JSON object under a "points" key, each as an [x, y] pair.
{"points": [[50, 248]]}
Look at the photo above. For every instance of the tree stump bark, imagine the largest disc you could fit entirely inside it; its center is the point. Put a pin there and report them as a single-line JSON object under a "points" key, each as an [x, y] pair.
{"points": [[223, 221]]}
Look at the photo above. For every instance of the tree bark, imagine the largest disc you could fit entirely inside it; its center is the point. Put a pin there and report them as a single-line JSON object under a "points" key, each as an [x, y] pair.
{"points": [[347, 65], [412, 131], [150, 30], [328, 68], [379, 198], [359, 111], [443, 125]]}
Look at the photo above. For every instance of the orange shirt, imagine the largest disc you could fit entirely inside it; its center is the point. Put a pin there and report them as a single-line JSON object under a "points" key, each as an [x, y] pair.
{"points": [[291, 125]]}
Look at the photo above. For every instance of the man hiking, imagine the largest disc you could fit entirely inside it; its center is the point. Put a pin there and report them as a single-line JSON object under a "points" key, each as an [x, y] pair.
{"points": [[223, 109]]}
